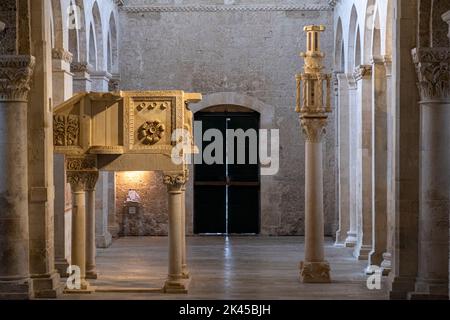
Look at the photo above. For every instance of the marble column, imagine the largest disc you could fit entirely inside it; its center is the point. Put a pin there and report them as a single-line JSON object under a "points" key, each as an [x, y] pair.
{"points": [[91, 272], [386, 264], [113, 224], [81, 77], [82, 176], [15, 75], [184, 267], [314, 268], [344, 153], [46, 280], [174, 283], [433, 70], [363, 76], [379, 162], [352, 239]]}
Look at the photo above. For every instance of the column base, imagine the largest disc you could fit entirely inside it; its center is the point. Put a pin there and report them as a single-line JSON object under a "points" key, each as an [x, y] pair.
{"points": [[315, 272], [16, 290], [61, 267], [362, 253], [176, 286], [103, 241], [375, 258], [85, 288], [47, 286], [340, 242], [91, 275], [386, 265], [430, 289], [351, 240]]}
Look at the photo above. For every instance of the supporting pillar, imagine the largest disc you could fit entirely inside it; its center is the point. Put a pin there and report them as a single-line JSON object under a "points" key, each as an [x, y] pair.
{"points": [[103, 238], [91, 272], [432, 65], [14, 247], [82, 176], [379, 163], [314, 268], [175, 282], [62, 90], [386, 264], [363, 76], [46, 280], [184, 268], [100, 81], [344, 153], [352, 239], [313, 104]]}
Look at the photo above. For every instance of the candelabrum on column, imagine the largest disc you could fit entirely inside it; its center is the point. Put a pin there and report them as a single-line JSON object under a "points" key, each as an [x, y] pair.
{"points": [[314, 105]]}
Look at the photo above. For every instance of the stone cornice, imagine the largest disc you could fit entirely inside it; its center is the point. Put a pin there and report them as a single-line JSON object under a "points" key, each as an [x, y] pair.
{"points": [[223, 8], [15, 77], [433, 72]]}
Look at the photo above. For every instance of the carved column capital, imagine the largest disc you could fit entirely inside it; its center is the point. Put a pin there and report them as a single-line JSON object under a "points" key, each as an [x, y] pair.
{"points": [[61, 54], [388, 65], [363, 71], [314, 129], [352, 84], [82, 173], [15, 77], [175, 181], [433, 73], [81, 67]]}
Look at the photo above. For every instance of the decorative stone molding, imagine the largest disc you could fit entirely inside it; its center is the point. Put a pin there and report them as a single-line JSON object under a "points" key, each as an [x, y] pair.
{"points": [[81, 67], [432, 67], [363, 71], [114, 84], [174, 179], [82, 173], [61, 54], [352, 83], [82, 180], [223, 8], [15, 77], [314, 129], [66, 130], [332, 3]]}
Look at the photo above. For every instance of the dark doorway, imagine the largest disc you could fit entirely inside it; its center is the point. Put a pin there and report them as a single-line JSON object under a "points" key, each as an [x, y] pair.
{"points": [[227, 195]]}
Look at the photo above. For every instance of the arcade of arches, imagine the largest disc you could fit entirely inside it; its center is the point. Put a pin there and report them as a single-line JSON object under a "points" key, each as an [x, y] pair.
{"points": [[75, 66]]}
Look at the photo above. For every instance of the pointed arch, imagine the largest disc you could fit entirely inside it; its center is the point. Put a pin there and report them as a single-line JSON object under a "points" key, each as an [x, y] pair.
{"points": [[98, 30], [369, 26], [92, 48], [57, 23], [339, 43], [376, 36], [352, 40], [113, 46]]}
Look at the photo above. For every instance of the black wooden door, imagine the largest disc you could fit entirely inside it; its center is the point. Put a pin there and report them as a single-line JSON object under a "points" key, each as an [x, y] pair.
{"points": [[226, 196]]}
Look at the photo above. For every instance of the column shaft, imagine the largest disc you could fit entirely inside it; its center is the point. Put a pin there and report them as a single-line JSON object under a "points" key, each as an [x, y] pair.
{"points": [[79, 234], [91, 272], [184, 268]]}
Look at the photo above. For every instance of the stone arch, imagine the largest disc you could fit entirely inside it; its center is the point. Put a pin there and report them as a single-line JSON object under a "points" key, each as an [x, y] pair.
{"points": [[82, 44], [358, 53], [266, 111], [339, 60], [57, 23], [369, 27], [98, 30], [376, 37], [92, 56], [113, 50], [352, 40]]}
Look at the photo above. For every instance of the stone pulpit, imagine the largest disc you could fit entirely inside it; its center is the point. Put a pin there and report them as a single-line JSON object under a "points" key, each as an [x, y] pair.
{"points": [[124, 131]]}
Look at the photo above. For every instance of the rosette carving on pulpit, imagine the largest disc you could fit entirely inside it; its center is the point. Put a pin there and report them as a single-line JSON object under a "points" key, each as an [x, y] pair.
{"points": [[151, 132]]}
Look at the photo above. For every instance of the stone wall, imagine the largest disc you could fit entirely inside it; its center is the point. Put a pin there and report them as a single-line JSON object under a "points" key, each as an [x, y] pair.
{"points": [[248, 48], [151, 218]]}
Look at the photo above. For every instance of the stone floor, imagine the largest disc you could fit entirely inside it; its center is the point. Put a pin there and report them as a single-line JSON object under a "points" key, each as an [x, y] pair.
{"points": [[227, 268]]}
